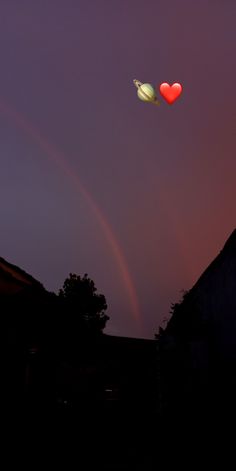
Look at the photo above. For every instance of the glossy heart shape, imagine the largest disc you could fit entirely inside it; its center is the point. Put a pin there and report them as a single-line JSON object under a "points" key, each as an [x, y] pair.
{"points": [[170, 92]]}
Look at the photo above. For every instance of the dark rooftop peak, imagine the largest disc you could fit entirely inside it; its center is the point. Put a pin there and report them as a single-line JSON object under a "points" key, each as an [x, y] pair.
{"points": [[231, 242], [11, 275]]}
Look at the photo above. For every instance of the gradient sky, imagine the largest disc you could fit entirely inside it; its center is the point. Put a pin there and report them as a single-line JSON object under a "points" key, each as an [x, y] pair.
{"points": [[162, 178]]}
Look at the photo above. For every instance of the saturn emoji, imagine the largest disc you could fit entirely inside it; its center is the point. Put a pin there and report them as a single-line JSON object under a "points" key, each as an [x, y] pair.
{"points": [[146, 92]]}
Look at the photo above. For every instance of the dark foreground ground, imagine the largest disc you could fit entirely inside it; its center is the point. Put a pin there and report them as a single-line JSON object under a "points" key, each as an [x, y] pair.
{"points": [[112, 438], [116, 438], [49, 425]]}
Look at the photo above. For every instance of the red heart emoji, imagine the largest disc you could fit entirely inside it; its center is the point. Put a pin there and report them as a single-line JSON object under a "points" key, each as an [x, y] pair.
{"points": [[170, 93]]}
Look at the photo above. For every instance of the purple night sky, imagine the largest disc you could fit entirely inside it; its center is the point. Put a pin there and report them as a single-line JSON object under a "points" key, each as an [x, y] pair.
{"points": [[162, 178]]}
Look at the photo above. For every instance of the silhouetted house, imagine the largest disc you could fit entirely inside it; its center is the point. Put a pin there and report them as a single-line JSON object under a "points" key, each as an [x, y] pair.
{"points": [[23, 300], [109, 371], [101, 371], [198, 347]]}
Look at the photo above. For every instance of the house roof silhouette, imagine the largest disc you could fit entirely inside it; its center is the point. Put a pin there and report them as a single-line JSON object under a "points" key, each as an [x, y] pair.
{"points": [[14, 280], [210, 302]]}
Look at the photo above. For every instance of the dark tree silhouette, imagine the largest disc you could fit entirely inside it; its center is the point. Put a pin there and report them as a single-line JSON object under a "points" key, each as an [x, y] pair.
{"points": [[83, 304]]}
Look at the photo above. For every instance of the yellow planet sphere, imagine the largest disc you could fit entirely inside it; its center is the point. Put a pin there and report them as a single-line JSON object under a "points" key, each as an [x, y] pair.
{"points": [[146, 92]]}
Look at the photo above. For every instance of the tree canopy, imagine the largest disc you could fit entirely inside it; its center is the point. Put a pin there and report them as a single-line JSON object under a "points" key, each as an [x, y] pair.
{"points": [[83, 304]]}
